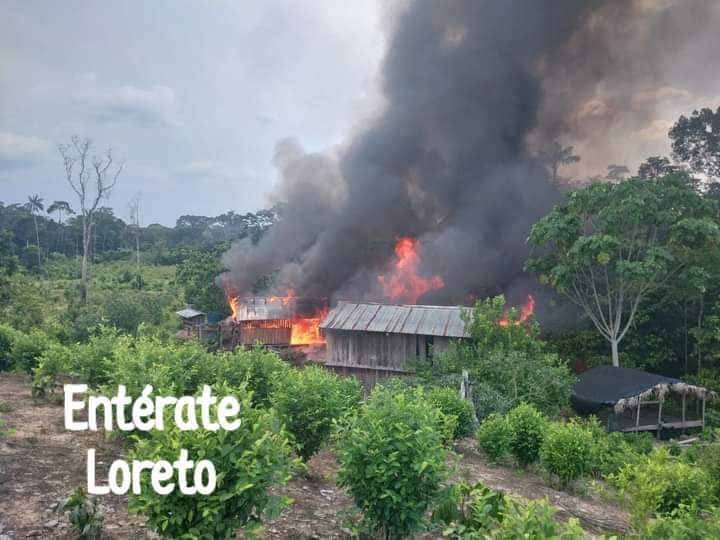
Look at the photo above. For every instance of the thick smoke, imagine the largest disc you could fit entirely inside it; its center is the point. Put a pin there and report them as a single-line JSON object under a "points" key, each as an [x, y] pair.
{"points": [[465, 83]]}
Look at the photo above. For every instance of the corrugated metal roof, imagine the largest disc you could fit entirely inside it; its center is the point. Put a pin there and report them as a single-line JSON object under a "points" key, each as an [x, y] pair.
{"points": [[189, 313], [422, 320], [260, 308]]}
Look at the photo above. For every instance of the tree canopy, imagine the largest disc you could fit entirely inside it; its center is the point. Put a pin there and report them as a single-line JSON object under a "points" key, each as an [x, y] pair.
{"points": [[609, 246]]}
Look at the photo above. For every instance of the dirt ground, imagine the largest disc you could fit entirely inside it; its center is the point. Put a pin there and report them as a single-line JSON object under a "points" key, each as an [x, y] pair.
{"points": [[41, 462]]}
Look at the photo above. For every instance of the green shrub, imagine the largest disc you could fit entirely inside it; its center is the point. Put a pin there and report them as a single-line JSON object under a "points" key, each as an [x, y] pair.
{"points": [[488, 401], [27, 349], [84, 514], [8, 335], [392, 461], [527, 426], [567, 451], [309, 401], [611, 451], [494, 436], [448, 400], [248, 461], [709, 461], [258, 366], [470, 509], [534, 520], [683, 524], [660, 484]]}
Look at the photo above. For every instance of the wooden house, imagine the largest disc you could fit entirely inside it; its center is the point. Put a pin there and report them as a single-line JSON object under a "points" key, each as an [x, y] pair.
{"points": [[192, 319], [375, 341]]}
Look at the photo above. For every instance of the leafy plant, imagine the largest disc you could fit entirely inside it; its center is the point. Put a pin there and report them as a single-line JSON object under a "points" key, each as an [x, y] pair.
{"points": [[567, 451], [709, 461], [448, 400], [392, 461], [261, 368], [309, 401], [470, 509], [494, 437], [660, 484], [248, 462], [683, 523], [534, 520], [84, 513], [527, 426]]}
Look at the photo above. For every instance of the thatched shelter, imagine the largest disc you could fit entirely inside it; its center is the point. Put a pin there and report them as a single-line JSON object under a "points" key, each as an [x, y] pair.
{"points": [[634, 400]]}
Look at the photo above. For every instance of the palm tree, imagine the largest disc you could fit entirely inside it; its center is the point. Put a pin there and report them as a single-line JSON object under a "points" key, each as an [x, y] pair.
{"points": [[35, 205], [61, 207], [555, 155]]}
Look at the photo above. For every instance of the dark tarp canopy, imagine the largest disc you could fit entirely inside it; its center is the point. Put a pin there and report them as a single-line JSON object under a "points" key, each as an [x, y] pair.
{"points": [[604, 386]]}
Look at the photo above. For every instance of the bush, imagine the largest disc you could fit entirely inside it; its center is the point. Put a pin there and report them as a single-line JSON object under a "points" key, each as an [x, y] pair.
{"points": [[392, 461], [8, 335], [488, 400], [248, 461], [534, 520], [660, 484], [26, 349], [258, 366], [709, 461], [683, 524], [84, 514], [567, 451], [448, 400], [611, 451], [309, 401], [470, 509], [527, 426], [494, 436]]}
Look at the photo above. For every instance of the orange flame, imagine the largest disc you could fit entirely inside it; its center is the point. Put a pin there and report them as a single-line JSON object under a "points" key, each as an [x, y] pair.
{"points": [[526, 312], [306, 331], [404, 283]]}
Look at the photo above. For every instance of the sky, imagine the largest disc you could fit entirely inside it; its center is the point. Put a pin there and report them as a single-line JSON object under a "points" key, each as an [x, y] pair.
{"points": [[193, 96]]}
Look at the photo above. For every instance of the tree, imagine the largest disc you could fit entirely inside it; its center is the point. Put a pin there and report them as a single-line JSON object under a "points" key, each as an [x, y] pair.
{"points": [[135, 224], [655, 167], [92, 179], [556, 155], [617, 172], [696, 141], [35, 205], [61, 207], [610, 245], [197, 277]]}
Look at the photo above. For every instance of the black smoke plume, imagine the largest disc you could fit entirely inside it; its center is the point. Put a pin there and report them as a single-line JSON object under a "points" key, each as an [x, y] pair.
{"points": [[446, 160]]}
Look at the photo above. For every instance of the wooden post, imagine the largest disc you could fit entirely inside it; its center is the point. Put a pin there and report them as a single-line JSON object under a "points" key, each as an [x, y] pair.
{"points": [[703, 412], [637, 418], [683, 414], [660, 418]]}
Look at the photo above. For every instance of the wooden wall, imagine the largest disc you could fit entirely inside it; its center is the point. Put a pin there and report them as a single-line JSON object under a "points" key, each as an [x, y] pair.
{"points": [[373, 356]]}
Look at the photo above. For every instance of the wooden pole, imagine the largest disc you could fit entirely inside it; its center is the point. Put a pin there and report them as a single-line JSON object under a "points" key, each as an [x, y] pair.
{"points": [[683, 414], [703, 411], [637, 418], [660, 417]]}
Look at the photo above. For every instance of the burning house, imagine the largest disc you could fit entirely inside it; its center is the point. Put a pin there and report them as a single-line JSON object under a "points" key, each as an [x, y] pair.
{"points": [[280, 321], [375, 341]]}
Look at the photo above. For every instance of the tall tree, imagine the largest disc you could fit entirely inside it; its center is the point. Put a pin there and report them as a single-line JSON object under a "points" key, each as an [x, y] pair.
{"points": [[92, 178], [61, 207], [696, 141], [34, 205], [655, 167], [556, 155], [612, 244]]}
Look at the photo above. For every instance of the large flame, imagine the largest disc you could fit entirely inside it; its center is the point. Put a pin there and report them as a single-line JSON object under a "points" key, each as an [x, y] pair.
{"points": [[526, 311], [304, 330], [404, 283]]}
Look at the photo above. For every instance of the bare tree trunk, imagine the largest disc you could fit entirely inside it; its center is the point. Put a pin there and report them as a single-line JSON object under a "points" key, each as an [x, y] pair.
{"points": [[615, 357], [37, 240], [84, 267]]}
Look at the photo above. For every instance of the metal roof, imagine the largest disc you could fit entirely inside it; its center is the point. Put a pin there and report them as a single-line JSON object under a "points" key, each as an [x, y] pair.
{"points": [[189, 313], [414, 319], [261, 308]]}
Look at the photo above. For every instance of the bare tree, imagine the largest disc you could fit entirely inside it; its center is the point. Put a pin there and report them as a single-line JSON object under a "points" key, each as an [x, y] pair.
{"points": [[34, 206], [135, 224], [92, 178]]}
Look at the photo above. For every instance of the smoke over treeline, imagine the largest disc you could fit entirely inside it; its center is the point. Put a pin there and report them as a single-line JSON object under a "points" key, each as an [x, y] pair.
{"points": [[470, 89]]}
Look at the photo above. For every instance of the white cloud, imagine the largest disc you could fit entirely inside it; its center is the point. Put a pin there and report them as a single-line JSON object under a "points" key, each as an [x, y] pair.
{"points": [[211, 172], [19, 151], [155, 105]]}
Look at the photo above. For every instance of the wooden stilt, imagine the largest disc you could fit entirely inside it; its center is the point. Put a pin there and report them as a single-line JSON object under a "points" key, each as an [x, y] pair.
{"points": [[660, 406], [637, 418], [703, 411], [684, 404]]}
